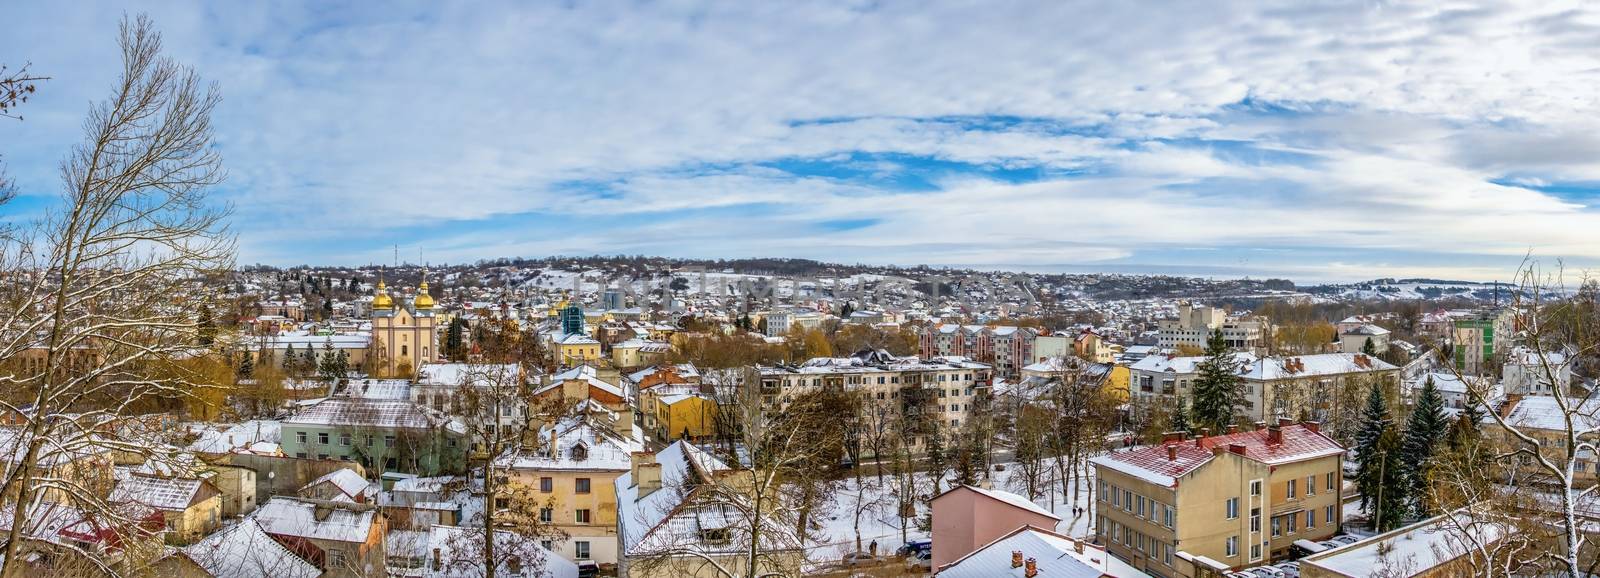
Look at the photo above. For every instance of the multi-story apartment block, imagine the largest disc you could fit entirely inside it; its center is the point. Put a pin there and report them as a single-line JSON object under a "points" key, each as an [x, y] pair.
{"points": [[1478, 336], [1201, 507], [1273, 386], [382, 435], [574, 476], [943, 390], [1007, 348], [1194, 326]]}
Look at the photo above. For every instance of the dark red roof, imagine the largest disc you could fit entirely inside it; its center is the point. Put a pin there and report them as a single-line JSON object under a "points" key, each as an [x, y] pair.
{"points": [[1298, 443]]}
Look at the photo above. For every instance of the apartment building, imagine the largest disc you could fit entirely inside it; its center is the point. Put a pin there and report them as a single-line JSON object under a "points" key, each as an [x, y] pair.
{"points": [[943, 390], [1273, 386], [1195, 324], [1007, 348], [574, 474], [1200, 507], [1478, 336]]}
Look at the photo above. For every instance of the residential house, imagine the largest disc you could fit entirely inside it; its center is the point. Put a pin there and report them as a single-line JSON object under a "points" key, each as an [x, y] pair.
{"points": [[190, 507], [1204, 506], [966, 518], [1029, 552], [344, 539], [671, 522], [1355, 340], [381, 435], [574, 473], [456, 552], [340, 485], [241, 550]]}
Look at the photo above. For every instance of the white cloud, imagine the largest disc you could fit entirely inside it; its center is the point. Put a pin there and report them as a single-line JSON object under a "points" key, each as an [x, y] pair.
{"points": [[368, 125]]}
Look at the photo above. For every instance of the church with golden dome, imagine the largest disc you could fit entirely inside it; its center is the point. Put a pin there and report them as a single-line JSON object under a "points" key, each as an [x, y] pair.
{"points": [[404, 336]]}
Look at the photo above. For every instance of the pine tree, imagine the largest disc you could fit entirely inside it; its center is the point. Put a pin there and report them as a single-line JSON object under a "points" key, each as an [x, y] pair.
{"points": [[1424, 430], [1374, 421], [327, 364], [1369, 348], [1217, 388], [291, 362], [1388, 478], [938, 464]]}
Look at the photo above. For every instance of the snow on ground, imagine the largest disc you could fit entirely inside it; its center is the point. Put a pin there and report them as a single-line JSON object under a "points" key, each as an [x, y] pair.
{"points": [[880, 522]]}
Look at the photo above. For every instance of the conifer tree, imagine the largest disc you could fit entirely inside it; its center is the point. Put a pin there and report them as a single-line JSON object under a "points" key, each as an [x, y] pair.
{"points": [[1369, 348], [291, 362], [1180, 417], [1374, 422], [1389, 483], [1217, 388], [246, 366], [1424, 430], [206, 326], [453, 344]]}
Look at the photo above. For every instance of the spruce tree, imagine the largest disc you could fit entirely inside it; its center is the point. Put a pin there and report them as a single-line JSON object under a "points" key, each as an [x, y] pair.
{"points": [[246, 366], [453, 344], [291, 362], [205, 327], [1217, 388], [1369, 348], [1388, 478], [1180, 417], [938, 464], [1424, 430], [1374, 421]]}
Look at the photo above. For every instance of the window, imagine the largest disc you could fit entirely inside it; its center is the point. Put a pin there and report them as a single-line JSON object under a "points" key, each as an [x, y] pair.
{"points": [[300, 436], [581, 548], [548, 544], [388, 441], [1330, 481], [1255, 552], [582, 485], [1311, 486], [1277, 527], [1233, 508], [369, 440], [1292, 484], [1233, 546], [581, 516], [546, 515], [1102, 490], [1255, 519], [1293, 521], [322, 438], [322, 456], [546, 485], [502, 503], [1139, 511], [1255, 487], [1127, 500], [1172, 515], [1311, 519], [1328, 515], [1116, 497], [335, 558], [301, 455], [714, 535]]}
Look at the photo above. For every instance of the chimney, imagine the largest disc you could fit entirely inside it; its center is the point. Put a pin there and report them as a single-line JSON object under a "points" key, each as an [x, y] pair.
{"points": [[1032, 568], [1172, 436], [1261, 425], [1233, 428], [1016, 558], [1512, 399], [1314, 426], [437, 563], [555, 448], [1077, 546], [1172, 452], [1285, 422], [636, 459], [1205, 432], [649, 479], [624, 423], [1275, 435], [1236, 448]]}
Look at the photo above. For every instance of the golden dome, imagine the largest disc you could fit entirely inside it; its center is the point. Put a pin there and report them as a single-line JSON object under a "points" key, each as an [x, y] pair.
{"points": [[423, 300], [380, 298]]}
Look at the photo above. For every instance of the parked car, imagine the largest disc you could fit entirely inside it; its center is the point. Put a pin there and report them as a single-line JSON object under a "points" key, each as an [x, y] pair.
{"points": [[1289, 569], [1345, 539], [1268, 572], [922, 559], [914, 546], [860, 559]]}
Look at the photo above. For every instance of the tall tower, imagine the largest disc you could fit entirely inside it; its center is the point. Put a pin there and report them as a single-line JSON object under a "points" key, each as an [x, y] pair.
{"points": [[403, 337]]}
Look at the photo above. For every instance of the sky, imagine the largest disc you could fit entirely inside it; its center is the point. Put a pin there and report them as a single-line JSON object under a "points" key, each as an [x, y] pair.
{"points": [[1309, 140]]}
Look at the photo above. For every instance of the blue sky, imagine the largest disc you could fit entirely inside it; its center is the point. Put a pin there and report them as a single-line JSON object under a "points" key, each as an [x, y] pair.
{"points": [[1325, 141]]}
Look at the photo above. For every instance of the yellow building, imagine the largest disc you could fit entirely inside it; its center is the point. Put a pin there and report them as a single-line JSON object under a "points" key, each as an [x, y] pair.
{"points": [[691, 416], [1202, 507], [191, 508], [403, 337], [577, 349], [639, 353], [574, 473]]}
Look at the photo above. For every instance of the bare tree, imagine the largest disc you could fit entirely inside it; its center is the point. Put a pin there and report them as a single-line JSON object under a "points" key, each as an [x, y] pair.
{"points": [[96, 299], [1542, 459]]}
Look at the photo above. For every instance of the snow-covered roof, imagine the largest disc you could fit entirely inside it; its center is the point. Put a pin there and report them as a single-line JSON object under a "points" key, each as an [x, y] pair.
{"points": [[1015, 500], [602, 449], [1275, 368], [236, 438], [582, 373], [682, 466], [1368, 329], [1417, 549], [1155, 465], [1542, 412], [342, 522], [1054, 555], [458, 374], [1182, 364], [371, 413], [162, 493], [346, 480], [459, 554], [379, 389], [244, 550]]}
